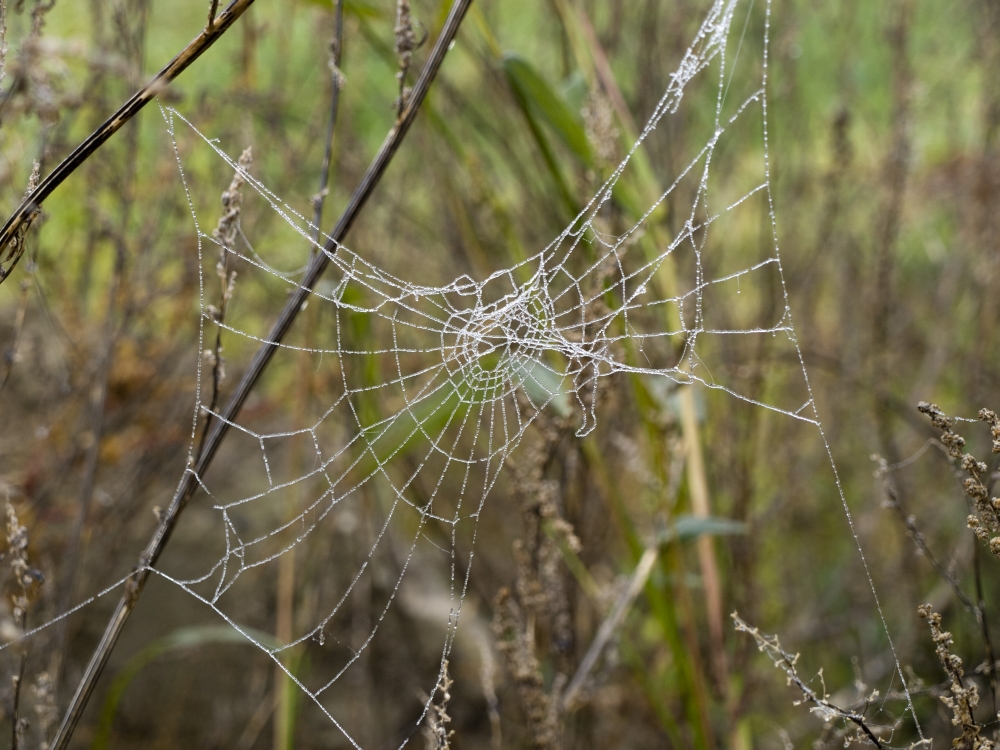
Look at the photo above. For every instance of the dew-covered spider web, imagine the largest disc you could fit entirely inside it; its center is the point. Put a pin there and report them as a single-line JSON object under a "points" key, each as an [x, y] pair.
{"points": [[429, 389]]}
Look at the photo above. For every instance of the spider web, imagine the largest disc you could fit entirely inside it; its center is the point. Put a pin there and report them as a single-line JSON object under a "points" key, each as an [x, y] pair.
{"points": [[434, 386]]}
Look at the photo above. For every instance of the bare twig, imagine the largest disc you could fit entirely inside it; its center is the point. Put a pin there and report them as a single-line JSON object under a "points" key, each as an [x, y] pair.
{"points": [[225, 234], [436, 732], [25, 579], [984, 629], [978, 607], [986, 521], [13, 231], [258, 364], [987, 518], [337, 82], [963, 700], [786, 662]]}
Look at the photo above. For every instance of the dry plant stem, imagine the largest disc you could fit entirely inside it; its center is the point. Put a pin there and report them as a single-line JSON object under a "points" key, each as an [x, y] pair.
{"points": [[991, 662], [96, 431], [436, 732], [406, 42], [603, 69], [13, 231], [962, 700], [10, 355], [786, 662], [977, 608], [24, 578], [337, 81], [635, 585], [256, 367], [225, 234], [986, 519]]}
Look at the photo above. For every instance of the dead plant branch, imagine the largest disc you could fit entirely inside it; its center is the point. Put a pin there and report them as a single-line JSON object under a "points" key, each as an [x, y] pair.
{"points": [[14, 230]]}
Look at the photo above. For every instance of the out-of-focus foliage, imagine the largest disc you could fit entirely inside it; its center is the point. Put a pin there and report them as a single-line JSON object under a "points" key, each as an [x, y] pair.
{"points": [[886, 178]]}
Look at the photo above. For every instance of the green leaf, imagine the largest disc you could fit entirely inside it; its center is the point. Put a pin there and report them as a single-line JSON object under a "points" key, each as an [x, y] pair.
{"points": [[691, 527], [544, 386], [531, 117], [548, 105]]}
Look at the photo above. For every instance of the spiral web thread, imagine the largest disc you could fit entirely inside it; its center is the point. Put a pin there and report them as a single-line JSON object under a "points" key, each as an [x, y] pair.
{"points": [[466, 367]]}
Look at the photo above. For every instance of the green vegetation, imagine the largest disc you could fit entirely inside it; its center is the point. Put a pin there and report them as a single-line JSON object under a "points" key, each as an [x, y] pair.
{"points": [[684, 504]]}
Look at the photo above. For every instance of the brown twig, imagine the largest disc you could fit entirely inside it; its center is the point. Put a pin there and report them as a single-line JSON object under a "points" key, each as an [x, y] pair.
{"points": [[406, 43], [786, 662], [978, 607], [986, 520], [258, 364], [963, 700], [225, 234], [984, 629], [25, 579], [337, 82], [13, 232]]}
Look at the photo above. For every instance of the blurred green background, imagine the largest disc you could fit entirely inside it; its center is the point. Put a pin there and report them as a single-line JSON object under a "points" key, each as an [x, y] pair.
{"points": [[885, 174]]}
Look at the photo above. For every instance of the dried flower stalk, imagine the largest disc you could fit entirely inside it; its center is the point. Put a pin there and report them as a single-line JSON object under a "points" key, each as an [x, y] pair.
{"points": [[25, 583], [437, 733], [225, 235], [985, 523], [963, 700], [406, 43]]}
